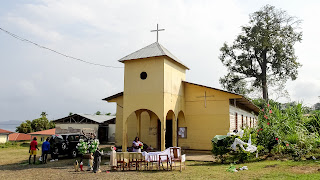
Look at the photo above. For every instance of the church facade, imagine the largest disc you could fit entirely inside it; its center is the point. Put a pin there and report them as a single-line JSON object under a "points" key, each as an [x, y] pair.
{"points": [[160, 107]]}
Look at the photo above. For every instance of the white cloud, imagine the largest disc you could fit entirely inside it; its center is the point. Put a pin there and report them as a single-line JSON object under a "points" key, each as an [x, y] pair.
{"points": [[35, 29], [27, 88], [105, 31]]}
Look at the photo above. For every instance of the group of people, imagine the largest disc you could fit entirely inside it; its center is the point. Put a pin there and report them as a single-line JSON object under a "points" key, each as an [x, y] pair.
{"points": [[93, 163], [34, 147], [94, 160], [95, 157]]}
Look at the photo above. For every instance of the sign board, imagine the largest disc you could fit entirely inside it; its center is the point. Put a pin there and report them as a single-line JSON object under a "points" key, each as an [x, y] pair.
{"points": [[182, 132]]}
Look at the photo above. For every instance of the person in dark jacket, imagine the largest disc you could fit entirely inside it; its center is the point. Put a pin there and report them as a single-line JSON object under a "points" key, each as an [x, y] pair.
{"points": [[45, 151], [97, 160]]}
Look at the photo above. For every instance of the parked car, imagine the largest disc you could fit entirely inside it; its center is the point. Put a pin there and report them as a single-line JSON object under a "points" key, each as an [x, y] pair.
{"points": [[65, 144]]}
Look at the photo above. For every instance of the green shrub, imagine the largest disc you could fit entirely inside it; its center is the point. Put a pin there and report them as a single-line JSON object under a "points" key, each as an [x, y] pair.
{"points": [[9, 144], [222, 147], [285, 131], [223, 151], [312, 123]]}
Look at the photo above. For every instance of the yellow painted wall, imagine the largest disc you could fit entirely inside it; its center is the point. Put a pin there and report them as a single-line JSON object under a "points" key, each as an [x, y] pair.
{"points": [[160, 92], [143, 94], [203, 123], [174, 74], [3, 138]]}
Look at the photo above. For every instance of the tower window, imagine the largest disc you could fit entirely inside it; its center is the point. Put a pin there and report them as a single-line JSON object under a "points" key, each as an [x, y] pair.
{"points": [[143, 75]]}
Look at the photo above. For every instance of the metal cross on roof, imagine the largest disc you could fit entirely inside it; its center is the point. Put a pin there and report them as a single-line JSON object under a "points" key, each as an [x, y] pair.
{"points": [[157, 30]]}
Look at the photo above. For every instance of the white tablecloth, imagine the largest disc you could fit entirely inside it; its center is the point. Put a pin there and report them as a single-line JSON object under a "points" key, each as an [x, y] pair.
{"points": [[156, 154]]}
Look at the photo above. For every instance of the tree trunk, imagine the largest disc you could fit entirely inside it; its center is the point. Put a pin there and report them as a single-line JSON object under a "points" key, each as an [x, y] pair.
{"points": [[264, 76], [265, 89]]}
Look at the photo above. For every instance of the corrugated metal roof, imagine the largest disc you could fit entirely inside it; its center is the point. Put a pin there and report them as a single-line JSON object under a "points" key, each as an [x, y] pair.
{"points": [[152, 50], [94, 118], [98, 118]]}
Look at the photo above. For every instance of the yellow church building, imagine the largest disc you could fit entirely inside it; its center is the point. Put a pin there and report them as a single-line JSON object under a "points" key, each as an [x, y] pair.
{"points": [[160, 107]]}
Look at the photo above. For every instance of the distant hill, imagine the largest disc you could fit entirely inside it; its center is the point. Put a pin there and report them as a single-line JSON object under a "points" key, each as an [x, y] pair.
{"points": [[10, 125]]}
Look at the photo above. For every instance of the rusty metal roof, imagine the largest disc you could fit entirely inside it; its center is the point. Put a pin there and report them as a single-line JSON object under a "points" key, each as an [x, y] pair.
{"points": [[3, 131], [45, 132], [19, 137], [152, 50]]}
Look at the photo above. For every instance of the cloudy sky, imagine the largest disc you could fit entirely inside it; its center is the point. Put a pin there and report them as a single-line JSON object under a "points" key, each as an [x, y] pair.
{"points": [[33, 80]]}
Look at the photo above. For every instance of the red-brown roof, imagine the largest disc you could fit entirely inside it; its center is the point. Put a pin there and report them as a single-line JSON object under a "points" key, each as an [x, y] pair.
{"points": [[2, 131], [19, 137], [45, 132]]}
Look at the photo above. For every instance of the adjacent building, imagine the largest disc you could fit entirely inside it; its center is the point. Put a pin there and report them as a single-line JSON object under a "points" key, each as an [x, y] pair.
{"points": [[4, 135], [43, 135], [99, 126], [19, 137]]}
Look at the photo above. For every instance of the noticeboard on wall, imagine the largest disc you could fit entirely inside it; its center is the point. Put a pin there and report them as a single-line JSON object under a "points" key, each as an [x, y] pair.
{"points": [[182, 132]]}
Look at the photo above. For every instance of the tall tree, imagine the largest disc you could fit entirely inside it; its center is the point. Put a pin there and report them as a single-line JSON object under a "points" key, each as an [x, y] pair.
{"points": [[39, 124], [263, 54], [44, 114]]}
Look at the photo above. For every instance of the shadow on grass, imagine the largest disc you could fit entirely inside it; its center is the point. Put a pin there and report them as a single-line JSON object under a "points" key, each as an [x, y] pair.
{"points": [[62, 163], [197, 163]]}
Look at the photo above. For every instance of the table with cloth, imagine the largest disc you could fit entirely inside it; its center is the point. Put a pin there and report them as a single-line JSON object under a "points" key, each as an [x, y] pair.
{"points": [[159, 157]]}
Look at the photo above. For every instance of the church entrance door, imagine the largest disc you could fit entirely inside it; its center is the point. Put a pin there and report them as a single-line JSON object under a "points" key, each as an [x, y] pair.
{"points": [[168, 133]]}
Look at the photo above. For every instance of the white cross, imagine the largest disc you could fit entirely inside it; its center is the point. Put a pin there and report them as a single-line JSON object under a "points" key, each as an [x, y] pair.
{"points": [[205, 98], [157, 30]]}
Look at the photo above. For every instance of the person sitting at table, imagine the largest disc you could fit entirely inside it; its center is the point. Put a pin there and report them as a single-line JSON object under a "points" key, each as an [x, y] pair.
{"points": [[136, 144]]}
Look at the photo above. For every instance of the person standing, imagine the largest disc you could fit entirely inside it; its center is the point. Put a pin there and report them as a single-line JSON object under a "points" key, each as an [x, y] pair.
{"points": [[55, 154], [136, 144], [97, 160], [33, 150], [45, 150]]}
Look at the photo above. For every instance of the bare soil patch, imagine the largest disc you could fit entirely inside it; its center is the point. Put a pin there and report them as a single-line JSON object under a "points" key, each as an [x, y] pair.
{"points": [[305, 169]]}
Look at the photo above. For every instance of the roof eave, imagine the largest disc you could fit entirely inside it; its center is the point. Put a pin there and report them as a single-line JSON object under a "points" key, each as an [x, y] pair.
{"points": [[113, 96], [122, 61]]}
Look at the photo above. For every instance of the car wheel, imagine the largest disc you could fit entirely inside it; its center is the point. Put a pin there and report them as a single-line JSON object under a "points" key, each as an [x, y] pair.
{"points": [[74, 153], [63, 146]]}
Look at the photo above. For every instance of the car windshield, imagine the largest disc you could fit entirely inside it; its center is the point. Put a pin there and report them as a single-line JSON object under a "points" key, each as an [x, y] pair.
{"points": [[71, 138], [82, 137], [58, 139]]}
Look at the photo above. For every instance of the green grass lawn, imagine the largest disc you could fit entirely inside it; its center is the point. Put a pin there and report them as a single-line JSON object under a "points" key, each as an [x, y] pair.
{"points": [[13, 165]]}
